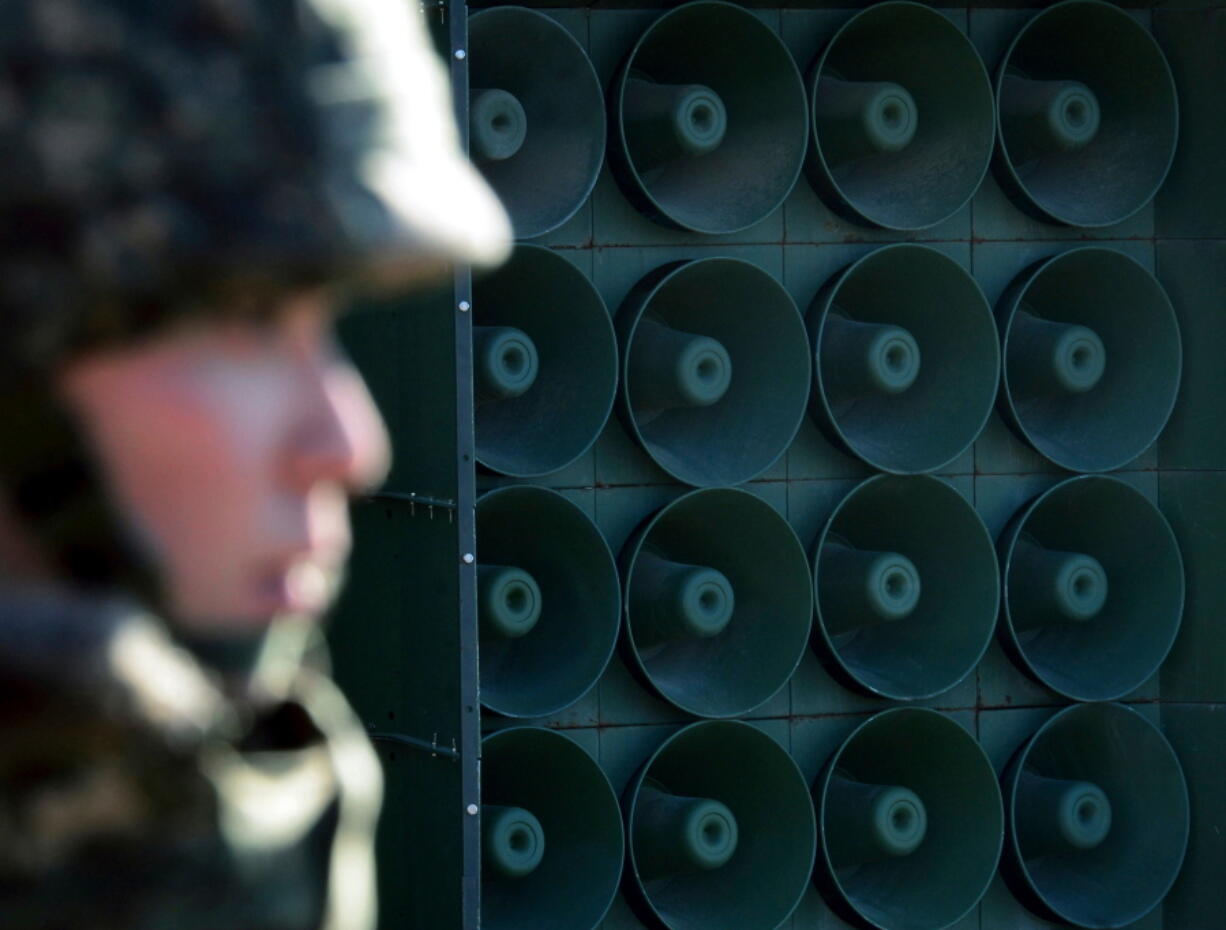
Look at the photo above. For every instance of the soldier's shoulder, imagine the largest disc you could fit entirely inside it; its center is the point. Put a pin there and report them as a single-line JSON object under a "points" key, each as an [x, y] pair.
{"points": [[101, 718], [104, 659]]}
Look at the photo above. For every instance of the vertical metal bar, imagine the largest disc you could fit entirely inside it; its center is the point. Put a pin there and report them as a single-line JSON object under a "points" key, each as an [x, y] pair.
{"points": [[469, 747]]}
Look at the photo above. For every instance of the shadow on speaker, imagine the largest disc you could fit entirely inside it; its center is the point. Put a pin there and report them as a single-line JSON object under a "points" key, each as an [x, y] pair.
{"points": [[552, 840], [536, 116], [709, 129], [1092, 358], [544, 364], [907, 359], [721, 831], [715, 369], [1087, 115], [907, 589], [548, 601], [903, 118], [1093, 588], [910, 822], [718, 602], [1098, 817]]}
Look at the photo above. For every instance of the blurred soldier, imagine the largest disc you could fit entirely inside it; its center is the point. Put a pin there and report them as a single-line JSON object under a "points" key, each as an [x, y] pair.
{"points": [[184, 187]]}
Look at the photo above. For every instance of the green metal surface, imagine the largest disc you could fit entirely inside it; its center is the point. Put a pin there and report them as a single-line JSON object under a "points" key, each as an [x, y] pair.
{"points": [[396, 636], [1191, 35], [1194, 275], [1198, 735], [1192, 501]]}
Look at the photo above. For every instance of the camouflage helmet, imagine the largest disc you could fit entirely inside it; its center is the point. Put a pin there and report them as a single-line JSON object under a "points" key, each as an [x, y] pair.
{"points": [[164, 158]]}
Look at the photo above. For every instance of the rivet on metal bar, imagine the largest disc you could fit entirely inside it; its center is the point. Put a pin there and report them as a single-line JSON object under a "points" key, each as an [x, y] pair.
{"points": [[431, 746], [412, 498]]}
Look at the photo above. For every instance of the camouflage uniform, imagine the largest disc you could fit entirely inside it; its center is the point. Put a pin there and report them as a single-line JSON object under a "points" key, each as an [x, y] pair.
{"points": [[168, 158], [134, 793]]}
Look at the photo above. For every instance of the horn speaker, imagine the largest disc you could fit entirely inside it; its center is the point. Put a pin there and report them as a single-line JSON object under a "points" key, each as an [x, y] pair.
{"points": [[1098, 817], [907, 359], [710, 113], [536, 116], [1094, 588], [548, 601], [1087, 115], [544, 364], [718, 602], [552, 841], [907, 588], [715, 369], [1092, 358], [902, 118], [910, 822], [721, 831]]}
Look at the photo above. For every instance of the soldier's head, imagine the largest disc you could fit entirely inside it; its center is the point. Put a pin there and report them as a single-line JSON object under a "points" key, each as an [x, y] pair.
{"points": [[187, 188]]}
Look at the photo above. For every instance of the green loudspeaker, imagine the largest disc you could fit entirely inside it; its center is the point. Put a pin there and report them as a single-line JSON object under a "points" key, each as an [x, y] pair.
{"points": [[710, 128], [721, 831], [544, 364], [1098, 817], [718, 602], [902, 118], [548, 601], [1087, 115], [552, 842], [910, 822], [907, 588], [536, 116], [1092, 358], [715, 392], [1094, 588], [907, 359]]}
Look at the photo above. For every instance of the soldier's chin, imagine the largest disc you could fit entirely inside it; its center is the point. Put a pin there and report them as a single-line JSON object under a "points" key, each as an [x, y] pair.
{"points": [[305, 590]]}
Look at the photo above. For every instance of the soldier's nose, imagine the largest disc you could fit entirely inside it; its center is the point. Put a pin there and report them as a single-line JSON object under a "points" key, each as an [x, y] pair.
{"points": [[342, 437]]}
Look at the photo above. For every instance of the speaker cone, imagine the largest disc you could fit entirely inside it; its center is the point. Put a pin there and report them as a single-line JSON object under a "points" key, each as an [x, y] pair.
{"points": [[710, 115], [1087, 114], [536, 116], [902, 118]]}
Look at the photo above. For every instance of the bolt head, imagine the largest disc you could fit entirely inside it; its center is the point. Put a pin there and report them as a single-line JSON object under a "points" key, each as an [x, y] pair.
{"points": [[472, 810]]}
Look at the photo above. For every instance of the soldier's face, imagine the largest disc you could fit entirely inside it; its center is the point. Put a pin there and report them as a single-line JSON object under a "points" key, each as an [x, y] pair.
{"points": [[233, 447]]}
